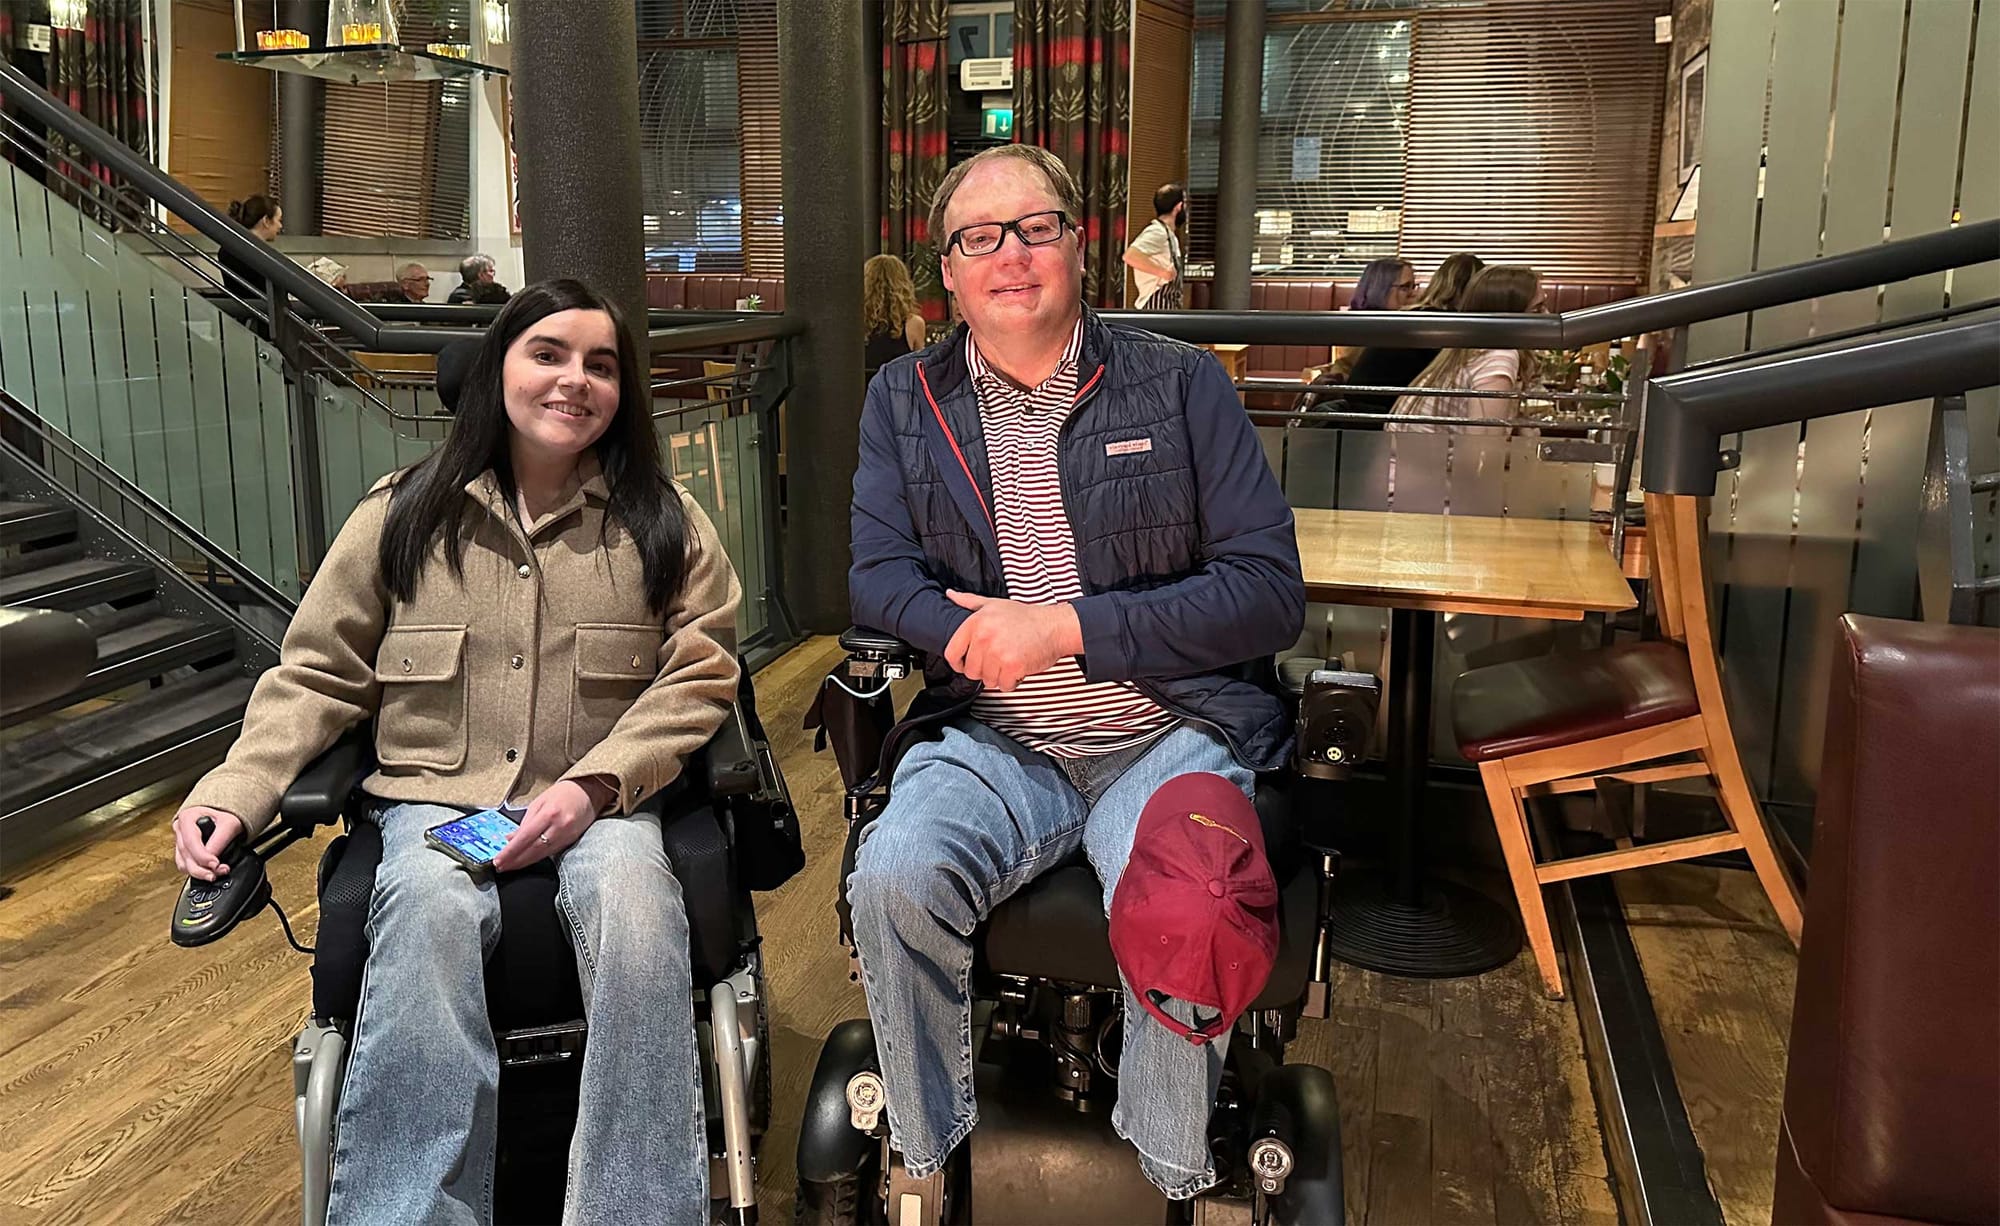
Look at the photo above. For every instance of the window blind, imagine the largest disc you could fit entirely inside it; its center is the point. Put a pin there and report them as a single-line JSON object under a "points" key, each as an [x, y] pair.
{"points": [[398, 155], [1523, 131], [709, 134], [1534, 136]]}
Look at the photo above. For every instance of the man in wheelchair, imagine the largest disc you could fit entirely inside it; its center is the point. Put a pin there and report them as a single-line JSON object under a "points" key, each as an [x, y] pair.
{"points": [[1074, 523], [533, 611]]}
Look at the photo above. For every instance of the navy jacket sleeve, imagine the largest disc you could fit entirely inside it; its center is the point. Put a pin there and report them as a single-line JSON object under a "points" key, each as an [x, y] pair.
{"points": [[889, 587], [1245, 599]]}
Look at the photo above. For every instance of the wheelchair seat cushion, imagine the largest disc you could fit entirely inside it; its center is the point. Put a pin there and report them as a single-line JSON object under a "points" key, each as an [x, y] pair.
{"points": [[531, 977], [1055, 928]]}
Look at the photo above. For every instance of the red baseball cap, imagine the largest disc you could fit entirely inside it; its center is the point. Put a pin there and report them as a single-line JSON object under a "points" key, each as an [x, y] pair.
{"points": [[1195, 917]]}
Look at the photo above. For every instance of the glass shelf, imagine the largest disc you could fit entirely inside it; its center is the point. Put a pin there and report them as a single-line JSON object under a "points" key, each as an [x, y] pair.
{"points": [[357, 62]]}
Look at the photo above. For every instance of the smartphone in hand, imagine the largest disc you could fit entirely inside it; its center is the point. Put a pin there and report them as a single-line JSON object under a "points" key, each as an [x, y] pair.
{"points": [[473, 840]]}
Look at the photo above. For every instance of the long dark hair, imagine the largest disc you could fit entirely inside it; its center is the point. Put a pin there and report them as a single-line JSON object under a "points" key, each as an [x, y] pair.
{"points": [[429, 500], [251, 210], [1449, 282], [1378, 281]]}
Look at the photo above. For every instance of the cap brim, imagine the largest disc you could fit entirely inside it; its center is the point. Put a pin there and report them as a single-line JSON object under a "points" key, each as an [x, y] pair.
{"points": [[1193, 1034]]}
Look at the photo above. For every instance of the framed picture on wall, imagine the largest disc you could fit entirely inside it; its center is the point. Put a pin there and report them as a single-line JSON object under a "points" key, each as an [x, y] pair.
{"points": [[1694, 84]]}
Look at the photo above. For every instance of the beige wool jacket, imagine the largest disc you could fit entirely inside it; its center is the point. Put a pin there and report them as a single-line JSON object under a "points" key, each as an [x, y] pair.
{"points": [[542, 663]]}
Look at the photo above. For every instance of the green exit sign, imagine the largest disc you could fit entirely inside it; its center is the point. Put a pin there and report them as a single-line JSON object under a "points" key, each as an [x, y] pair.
{"points": [[998, 122]]}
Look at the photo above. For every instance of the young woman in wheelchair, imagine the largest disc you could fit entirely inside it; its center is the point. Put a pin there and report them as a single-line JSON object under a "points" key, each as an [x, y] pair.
{"points": [[533, 613]]}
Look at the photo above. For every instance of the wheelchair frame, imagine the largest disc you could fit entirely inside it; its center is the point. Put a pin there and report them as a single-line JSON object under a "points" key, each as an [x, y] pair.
{"points": [[740, 770], [1274, 1115]]}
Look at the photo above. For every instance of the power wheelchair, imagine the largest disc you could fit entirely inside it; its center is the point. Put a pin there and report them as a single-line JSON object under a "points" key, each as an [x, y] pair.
{"points": [[728, 826], [1046, 1017]]}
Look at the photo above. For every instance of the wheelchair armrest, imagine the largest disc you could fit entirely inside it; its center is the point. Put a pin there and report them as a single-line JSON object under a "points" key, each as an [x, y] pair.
{"points": [[865, 645], [319, 795], [732, 757]]}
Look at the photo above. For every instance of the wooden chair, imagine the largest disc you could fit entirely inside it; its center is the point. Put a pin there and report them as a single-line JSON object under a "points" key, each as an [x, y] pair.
{"points": [[724, 385], [1631, 712]]}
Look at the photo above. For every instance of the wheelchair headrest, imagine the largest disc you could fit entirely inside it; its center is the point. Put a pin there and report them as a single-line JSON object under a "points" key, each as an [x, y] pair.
{"points": [[454, 362]]}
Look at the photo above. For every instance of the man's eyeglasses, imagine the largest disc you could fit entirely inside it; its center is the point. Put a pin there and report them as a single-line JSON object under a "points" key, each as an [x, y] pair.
{"points": [[1034, 230]]}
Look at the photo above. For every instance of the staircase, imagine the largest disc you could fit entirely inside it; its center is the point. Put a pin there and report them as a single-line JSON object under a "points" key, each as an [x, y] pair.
{"points": [[173, 670]]}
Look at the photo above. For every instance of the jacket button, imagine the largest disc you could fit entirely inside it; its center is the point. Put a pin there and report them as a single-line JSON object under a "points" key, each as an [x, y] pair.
{"points": [[513, 754], [524, 570], [406, 666], [517, 661]]}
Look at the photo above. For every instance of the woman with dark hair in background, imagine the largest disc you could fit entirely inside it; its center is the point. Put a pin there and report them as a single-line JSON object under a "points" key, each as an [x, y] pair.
{"points": [[1448, 284], [533, 610], [1502, 289], [265, 220], [1385, 285], [1389, 366]]}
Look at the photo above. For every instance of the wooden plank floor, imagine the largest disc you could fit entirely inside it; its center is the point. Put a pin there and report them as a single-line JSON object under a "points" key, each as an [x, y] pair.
{"points": [[144, 1083], [1721, 974]]}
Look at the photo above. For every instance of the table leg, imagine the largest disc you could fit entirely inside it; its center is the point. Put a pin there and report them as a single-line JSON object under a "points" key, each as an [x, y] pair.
{"points": [[1394, 919]]}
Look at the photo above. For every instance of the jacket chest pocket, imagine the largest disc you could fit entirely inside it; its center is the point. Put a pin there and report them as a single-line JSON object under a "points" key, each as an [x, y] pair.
{"points": [[421, 720], [614, 665]]}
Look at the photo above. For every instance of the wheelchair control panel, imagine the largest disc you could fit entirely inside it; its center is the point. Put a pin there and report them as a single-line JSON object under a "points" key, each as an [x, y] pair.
{"points": [[1336, 721], [877, 656], [208, 909]]}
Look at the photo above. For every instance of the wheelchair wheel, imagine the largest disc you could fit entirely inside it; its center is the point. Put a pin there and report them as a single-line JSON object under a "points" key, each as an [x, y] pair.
{"points": [[853, 1200], [760, 1086]]}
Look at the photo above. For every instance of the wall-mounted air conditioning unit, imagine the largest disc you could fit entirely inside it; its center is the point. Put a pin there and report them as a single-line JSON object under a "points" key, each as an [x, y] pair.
{"points": [[985, 76]]}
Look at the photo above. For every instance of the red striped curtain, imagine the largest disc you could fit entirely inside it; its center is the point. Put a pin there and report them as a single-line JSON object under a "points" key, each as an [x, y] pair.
{"points": [[915, 151], [1073, 96]]}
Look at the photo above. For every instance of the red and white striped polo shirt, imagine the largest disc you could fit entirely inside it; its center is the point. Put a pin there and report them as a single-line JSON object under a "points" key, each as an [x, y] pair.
{"points": [[1055, 711]]}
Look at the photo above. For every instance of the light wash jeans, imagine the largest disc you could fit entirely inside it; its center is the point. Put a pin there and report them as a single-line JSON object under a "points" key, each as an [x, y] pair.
{"points": [[417, 1115], [971, 819]]}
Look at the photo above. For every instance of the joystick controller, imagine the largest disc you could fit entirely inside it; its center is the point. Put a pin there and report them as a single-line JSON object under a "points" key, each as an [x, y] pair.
{"points": [[209, 909]]}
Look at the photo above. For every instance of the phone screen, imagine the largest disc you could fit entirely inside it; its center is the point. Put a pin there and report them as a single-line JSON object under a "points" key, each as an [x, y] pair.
{"points": [[477, 837]]}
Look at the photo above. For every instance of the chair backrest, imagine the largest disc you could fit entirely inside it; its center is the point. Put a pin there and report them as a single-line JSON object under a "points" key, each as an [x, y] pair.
{"points": [[1894, 1064], [1674, 531], [726, 372], [1677, 527]]}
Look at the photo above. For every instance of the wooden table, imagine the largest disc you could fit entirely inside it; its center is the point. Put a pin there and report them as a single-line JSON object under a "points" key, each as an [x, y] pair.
{"points": [[1418, 566], [1545, 568]]}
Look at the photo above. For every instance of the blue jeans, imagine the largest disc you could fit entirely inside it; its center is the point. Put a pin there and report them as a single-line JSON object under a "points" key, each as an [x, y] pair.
{"points": [[971, 819], [417, 1120]]}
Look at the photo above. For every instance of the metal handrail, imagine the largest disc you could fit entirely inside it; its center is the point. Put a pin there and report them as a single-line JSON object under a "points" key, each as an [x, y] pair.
{"points": [[331, 305], [1974, 243], [330, 360], [1691, 411], [132, 492], [717, 335], [1333, 391]]}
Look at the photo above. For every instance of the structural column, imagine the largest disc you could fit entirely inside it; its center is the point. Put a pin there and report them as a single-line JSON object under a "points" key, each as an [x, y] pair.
{"points": [[576, 125], [1236, 188], [823, 66], [873, 15], [302, 120]]}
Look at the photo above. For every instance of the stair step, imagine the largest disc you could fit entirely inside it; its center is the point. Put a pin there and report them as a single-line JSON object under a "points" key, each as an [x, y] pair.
{"points": [[21, 522], [35, 559], [105, 621], [138, 653], [76, 584], [68, 759]]}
